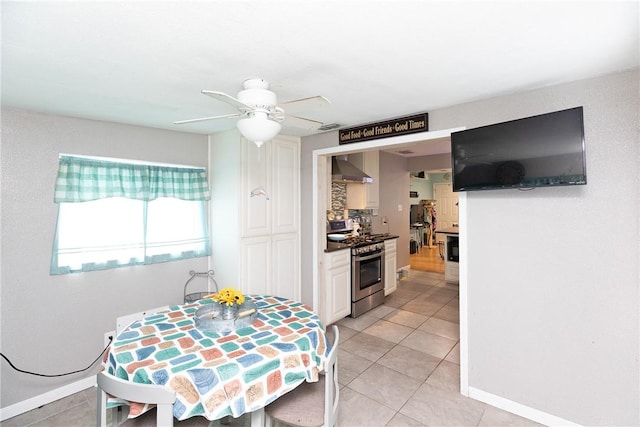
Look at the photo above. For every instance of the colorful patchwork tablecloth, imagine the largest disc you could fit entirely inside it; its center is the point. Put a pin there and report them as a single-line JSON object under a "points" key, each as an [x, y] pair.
{"points": [[213, 374]]}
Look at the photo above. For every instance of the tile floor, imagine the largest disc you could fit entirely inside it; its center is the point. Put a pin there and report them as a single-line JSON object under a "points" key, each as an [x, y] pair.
{"points": [[398, 366]]}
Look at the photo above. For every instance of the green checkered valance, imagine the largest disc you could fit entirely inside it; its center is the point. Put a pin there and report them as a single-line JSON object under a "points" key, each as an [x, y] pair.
{"points": [[82, 179]]}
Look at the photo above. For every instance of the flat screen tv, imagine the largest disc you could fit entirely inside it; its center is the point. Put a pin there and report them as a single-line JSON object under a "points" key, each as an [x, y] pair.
{"points": [[538, 151]]}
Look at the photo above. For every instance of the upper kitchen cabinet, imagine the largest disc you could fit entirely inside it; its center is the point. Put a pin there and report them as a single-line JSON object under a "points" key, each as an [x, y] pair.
{"points": [[365, 196], [255, 240]]}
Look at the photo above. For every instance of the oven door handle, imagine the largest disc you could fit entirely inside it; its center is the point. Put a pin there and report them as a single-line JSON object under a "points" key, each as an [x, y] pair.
{"points": [[369, 256]]}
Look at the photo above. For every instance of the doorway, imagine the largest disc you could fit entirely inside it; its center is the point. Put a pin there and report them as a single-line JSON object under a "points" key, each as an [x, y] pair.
{"points": [[447, 205], [433, 203], [427, 259], [321, 179]]}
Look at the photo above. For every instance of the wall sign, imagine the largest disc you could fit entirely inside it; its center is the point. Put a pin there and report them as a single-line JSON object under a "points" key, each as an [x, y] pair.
{"points": [[400, 126]]}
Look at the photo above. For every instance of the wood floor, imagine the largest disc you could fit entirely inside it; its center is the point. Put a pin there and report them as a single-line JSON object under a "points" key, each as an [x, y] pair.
{"points": [[427, 259]]}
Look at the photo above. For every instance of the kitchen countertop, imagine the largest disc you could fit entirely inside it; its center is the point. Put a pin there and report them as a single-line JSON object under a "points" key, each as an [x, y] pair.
{"points": [[337, 246], [389, 237], [452, 230]]}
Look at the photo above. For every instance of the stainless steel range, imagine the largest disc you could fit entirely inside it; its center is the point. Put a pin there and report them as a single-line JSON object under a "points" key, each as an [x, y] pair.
{"points": [[367, 277], [367, 265]]}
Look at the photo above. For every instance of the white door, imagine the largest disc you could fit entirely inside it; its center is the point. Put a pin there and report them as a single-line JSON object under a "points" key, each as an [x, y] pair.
{"points": [[446, 205], [256, 211], [285, 188], [256, 267], [286, 266]]}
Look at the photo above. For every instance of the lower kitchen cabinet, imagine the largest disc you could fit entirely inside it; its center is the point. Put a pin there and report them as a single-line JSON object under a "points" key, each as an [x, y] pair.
{"points": [[451, 266], [337, 286], [451, 272], [390, 266]]}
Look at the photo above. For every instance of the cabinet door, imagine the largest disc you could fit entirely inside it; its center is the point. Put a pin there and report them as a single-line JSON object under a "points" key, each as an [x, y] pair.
{"points": [[356, 196], [365, 196], [338, 286], [451, 272], [390, 267], [286, 266], [255, 268], [285, 183], [256, 176]]}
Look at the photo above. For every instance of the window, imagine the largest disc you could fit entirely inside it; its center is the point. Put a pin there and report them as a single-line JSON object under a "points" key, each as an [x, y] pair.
{"points": [[113, 214]]}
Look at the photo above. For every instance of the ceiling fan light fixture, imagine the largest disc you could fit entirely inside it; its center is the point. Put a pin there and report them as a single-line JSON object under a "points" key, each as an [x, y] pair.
{"points": [[259, 111], [258, 128]]}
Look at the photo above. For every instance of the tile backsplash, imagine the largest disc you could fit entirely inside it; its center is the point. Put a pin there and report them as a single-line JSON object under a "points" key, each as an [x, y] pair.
{"points": [[339, 204], [338, 198], [363, 217]]}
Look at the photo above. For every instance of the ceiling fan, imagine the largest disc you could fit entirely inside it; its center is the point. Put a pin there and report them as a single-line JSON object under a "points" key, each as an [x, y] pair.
{"points": [[260, 116]]}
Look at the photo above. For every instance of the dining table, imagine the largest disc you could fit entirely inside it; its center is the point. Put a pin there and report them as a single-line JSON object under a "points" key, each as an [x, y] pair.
{"points": [[216, 374]]}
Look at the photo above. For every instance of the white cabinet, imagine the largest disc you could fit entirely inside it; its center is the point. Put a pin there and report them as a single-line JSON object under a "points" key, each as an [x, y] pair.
{"points": [[255, 256], [285, 275], [365, 196], [337, 286], [272, 174], [255, 236], [451, 272], [451, 268], [390, 266], [270, 267]]}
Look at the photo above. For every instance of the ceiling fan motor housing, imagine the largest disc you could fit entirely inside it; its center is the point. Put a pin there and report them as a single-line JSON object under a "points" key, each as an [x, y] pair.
{"points": [[258, 95]]}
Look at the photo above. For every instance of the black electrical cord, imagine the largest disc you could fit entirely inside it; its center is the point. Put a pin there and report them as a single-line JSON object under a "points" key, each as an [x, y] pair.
{"points": [[57, 375]]}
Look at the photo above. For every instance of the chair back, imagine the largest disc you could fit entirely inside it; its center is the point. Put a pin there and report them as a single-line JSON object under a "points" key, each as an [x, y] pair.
{"points": [[126, 320], [331, 386], [162, 397], [311, 404]]}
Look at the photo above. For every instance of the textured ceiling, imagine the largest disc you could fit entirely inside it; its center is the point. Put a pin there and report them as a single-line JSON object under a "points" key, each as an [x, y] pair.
{"points": [[145, 63]]}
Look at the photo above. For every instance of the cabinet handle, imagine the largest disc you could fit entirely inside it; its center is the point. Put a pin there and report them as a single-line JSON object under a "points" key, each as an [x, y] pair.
{"points": [[260, 191]]}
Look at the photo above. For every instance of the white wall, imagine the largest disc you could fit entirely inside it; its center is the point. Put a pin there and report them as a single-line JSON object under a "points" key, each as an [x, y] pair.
{"points": [[553, 273], [225, 181], [322, 140], [54, 324], [553, 294], [424, 187], [429, 163], [394, 176]]}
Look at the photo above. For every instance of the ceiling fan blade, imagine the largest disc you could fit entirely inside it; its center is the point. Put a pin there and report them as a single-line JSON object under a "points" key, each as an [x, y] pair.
{"points": [[299, 122], [201, 119], [305, 104], [221, 96]]}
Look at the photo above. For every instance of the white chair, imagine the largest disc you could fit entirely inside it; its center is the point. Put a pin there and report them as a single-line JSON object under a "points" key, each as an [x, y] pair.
{"points": [[311, 404], [124, 321], [162, 397]]}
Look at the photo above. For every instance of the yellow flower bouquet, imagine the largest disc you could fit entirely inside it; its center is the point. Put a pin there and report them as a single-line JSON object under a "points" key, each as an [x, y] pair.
{"points": [[229, 306], [229, 296]]}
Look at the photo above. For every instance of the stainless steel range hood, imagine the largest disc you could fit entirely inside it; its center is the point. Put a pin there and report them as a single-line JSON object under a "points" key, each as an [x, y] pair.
{"points": [[343, 171]]}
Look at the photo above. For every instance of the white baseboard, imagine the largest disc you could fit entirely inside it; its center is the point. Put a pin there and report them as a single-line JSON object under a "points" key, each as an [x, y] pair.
{"points": [[45, 398], [518, 409]]}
